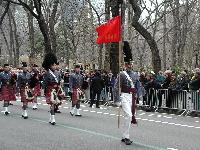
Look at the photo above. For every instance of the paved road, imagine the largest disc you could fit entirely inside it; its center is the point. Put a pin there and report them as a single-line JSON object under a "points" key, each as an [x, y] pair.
{"points": [[96, 130]]}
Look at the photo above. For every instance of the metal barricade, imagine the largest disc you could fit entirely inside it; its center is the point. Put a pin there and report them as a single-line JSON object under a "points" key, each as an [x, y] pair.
{"points": [[194, 103]]}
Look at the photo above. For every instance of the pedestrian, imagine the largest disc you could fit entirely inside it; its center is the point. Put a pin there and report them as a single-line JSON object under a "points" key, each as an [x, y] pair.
{"points": [[97, 86]]}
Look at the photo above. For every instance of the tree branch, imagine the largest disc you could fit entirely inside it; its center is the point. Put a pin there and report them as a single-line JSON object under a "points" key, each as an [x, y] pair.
{"points": [[4, 13]]}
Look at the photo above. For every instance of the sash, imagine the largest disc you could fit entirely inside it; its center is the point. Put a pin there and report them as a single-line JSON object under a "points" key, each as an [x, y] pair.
{"points": [[129, 79], [53, 75]]}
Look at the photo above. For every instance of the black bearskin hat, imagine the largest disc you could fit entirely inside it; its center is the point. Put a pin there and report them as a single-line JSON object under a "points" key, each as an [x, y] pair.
{"points": [[34, 65], [6, 65], [49, 60], [127, 52], [24, 64]]}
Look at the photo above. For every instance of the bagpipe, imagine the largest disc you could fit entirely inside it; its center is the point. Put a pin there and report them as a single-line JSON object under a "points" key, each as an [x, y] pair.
{"points": [[34, 80], [79, 94], [57, 96], [13, 79], [29, 93]]}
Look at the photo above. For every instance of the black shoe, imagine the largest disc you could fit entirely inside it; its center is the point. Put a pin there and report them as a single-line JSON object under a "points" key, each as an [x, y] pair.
{"points": [[127, 141], [58, 111], [6, 113], [53, 123], [10, 104], [25, 117], [34, 108], [71, 113], [90, 106], [134, 121], [97, 107], [78, 115]]}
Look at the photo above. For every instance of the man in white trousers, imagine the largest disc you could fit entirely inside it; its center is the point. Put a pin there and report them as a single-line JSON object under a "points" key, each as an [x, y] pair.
{"points": [[126, 98]]}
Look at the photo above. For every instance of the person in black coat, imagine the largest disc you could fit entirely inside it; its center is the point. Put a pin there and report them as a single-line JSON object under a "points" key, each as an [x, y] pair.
{"points": [[97, 85], [195, 82]]}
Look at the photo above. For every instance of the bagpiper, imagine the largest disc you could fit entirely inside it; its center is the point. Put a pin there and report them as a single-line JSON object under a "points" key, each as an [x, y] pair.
{"points": [[53, 92], [23, 84], [75, 85], [7, 87], [59, 77], [35, 84]]}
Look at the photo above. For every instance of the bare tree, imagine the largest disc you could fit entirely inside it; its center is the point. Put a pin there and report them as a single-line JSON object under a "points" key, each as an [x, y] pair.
{"points": [[156, 61]]}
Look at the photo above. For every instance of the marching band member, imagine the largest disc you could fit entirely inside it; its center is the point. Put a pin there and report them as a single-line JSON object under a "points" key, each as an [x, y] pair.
{"points": [[23, 83], [75, 84], [51, 84], [59, 77], [125, 94], [35, 82], [7, 88]]}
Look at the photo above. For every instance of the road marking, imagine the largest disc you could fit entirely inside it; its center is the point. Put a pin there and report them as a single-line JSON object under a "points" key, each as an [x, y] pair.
{"points": [[190, 126], [66, 107], [165, 122], [184, 125], [159, 116], [172, 149], [99, 112], [95, 133], [142, 114], [158, 121], [177, 124], [112, 114], [171, 123], [151, 115], [45, 104], [151, 120], [105, 113], [167, 117], [85, 110], [196, 121], [92, 111]]}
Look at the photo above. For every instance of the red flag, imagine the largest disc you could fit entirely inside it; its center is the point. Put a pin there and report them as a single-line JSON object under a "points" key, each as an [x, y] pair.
{"points": [[109, 31]]}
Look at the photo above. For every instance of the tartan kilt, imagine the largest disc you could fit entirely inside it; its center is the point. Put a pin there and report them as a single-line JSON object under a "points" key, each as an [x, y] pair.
{"points": [[74, 96], [23, 95], [36, 91], [48, 94], [7, 93]]}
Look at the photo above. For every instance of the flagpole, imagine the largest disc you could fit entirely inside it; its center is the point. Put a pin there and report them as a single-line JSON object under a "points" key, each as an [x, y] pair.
{"points": [[120, 57]]}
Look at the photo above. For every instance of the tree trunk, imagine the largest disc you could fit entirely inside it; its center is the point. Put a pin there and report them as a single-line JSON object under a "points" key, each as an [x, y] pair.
{"points": [[183, 35], [114, 49], [176, 30], [31, 34], [156, 61], [52, 23], [17, 45], [107, 45], [7, 45], [44, 29], [164, 38], [12, 46], [43, 26]]}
